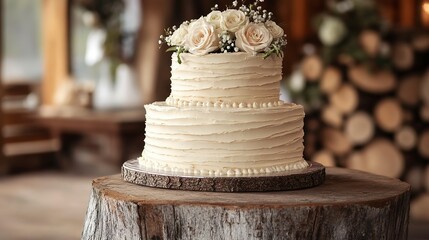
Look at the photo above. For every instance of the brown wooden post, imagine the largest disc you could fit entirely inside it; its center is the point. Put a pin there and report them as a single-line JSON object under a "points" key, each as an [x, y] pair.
{"points": [[55, 47], [3, 163]]}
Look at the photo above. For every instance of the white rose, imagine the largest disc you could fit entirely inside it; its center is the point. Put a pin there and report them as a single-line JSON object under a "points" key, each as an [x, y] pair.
{"points": [[274, 29], [232, 20], [179, 36], [332, 31], [214, 18], [202, 37], [253, 38]]}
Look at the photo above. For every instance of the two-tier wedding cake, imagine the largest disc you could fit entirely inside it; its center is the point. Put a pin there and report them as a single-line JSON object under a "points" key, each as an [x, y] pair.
{"points": [[224, 117]]}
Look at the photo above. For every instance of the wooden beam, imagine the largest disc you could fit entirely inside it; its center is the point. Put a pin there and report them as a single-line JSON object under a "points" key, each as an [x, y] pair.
{"points": [[55, 47], [407, 17], [300, 18]]}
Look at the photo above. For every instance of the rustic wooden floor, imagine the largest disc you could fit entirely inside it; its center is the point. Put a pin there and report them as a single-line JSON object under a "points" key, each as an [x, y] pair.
{"points": [[52, 205], [48, 205]]}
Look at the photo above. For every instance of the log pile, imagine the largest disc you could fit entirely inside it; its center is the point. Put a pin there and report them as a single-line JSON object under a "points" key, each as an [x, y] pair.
{"points": [[374, 119]]}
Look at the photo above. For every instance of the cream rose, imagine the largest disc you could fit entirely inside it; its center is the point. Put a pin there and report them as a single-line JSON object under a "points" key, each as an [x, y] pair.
{"points": [[214, 18], [274, 29], [232, 20], [179, 36], [253, 38], [201, 38]]}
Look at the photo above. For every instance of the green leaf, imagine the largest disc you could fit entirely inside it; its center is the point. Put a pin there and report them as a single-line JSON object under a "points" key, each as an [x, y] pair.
{"points": [[171, 49]]}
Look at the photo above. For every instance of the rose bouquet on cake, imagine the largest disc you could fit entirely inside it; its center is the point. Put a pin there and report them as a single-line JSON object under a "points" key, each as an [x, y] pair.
{"points": [[245, 28]]}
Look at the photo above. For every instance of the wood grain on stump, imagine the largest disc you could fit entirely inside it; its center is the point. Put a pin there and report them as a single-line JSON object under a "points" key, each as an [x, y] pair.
{"points": [[350, 205]]}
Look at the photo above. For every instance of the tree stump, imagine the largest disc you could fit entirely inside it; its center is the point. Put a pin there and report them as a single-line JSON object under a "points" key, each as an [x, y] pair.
{"points": [[349, 205]]}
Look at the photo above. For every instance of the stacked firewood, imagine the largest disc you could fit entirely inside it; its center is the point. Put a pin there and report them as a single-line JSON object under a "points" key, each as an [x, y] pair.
{"points": [[372, 119], [366, 93]]}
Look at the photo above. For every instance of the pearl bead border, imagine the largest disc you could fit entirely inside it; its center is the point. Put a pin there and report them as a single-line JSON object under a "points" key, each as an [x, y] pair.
{"points": [[224, 172], [183, 103]]}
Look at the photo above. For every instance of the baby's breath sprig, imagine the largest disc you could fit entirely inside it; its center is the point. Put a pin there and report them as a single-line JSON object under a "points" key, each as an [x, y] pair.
{"points": [[227, 43], [255, 13], [167, 38]]}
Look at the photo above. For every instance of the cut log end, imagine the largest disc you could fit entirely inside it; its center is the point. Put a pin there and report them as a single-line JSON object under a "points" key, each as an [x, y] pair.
{"points": [[359, 128], [408, 90], [424, 144], [325, 158], [424, 88], [406, 138], [378, 82], [379, 157], [421, 42], [331, 80], [424, 112], [345, 99], [332, 117], [419, 209], [335, 141], [312, 67], [403, 56], [388, 114], [370, 41], [414, 177]]}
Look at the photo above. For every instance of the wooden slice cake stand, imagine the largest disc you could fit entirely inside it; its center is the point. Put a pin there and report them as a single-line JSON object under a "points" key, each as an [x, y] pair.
{"points": [[312, 176]]}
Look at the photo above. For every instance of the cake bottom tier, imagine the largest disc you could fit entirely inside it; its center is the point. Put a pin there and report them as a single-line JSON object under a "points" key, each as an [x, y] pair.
{"points": [[223, 141]]}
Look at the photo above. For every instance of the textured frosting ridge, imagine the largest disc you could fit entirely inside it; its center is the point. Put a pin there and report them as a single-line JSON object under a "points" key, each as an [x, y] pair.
{"points": [[217, 141], [228, 77]]}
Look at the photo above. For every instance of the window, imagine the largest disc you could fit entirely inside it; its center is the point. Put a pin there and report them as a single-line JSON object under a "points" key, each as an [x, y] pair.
{"points": [[22, 51]]}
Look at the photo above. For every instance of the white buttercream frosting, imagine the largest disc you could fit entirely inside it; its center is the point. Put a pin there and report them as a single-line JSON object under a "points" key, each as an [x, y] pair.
{"points": [[226, 78], [208, 140]]}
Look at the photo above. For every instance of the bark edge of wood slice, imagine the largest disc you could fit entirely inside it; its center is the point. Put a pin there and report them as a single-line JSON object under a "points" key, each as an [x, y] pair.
{"points": [[350, 205], [312, 176]]}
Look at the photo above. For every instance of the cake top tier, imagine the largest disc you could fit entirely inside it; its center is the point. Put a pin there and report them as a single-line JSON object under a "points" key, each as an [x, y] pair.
{"points": [[233, 78], [245, 28]]}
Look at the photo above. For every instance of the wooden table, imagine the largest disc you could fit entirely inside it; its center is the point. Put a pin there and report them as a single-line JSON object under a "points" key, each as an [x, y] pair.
{"points": [[124, 129], [349, 205]]}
